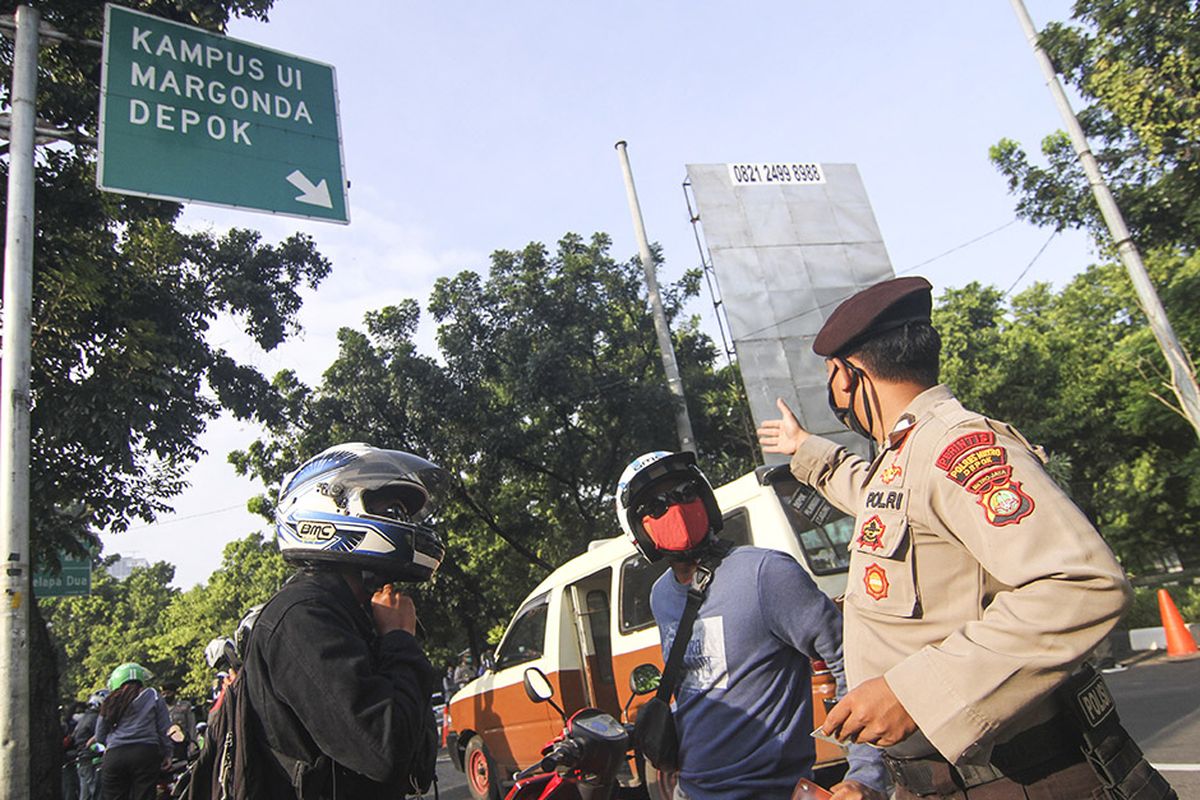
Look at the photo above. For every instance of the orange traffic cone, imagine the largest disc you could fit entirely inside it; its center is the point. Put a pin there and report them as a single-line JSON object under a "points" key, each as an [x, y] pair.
{"points": [[1180, 643]]}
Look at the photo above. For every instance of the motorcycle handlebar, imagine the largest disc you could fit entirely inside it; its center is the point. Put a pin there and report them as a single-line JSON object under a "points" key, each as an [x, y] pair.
{"points": [[562, 754]]}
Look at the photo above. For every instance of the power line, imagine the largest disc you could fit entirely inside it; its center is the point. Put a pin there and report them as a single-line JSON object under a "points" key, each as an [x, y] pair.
{"points": [[836, 301], [956, 248], [1032, 261], [189, 516]]}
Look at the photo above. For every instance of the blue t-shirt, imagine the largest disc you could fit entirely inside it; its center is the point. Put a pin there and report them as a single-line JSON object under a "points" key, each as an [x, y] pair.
{"points": [[744, 706]]}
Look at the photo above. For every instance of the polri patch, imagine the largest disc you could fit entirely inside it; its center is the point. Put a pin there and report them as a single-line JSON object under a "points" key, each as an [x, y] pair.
{"points": [[871, 533], [975, 462]]}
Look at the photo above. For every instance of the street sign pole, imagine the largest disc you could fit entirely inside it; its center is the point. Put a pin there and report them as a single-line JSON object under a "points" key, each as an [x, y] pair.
{"points": [[14, 410]]}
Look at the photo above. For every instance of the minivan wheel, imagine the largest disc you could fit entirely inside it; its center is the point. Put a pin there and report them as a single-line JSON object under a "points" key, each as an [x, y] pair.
{"points": [[660, 785], [481, 771]]}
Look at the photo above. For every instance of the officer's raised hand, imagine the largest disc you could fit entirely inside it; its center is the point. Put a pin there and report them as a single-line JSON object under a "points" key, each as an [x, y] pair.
{"points": [[870, 714], [782, 435], [393, 611]]}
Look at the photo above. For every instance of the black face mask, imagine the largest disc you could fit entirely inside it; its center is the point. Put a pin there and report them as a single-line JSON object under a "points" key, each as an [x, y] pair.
{"points": [[845, 414], [373, 582]]}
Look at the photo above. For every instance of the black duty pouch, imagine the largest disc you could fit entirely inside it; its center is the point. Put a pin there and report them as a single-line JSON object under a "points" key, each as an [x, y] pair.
{"points": [[1114, 756], [654, 729]]}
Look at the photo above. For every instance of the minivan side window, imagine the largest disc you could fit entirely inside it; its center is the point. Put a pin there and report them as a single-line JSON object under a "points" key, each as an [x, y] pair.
{"points": [[526, 640], [637, 576], [737, 527]]}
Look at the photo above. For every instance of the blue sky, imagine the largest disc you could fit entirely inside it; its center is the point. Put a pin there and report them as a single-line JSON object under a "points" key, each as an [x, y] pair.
{"points": [[471, 127]]}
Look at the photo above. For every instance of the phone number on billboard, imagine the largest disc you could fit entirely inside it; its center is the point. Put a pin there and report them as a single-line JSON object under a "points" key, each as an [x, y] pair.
{"points": [[750, 174]]}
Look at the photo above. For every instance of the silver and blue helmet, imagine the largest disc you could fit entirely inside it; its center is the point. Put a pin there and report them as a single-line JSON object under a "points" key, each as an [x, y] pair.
{"points": [[362, 506]]}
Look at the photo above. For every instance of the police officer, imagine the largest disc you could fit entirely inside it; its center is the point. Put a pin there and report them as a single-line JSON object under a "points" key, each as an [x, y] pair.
{"points": [[976, 587]]}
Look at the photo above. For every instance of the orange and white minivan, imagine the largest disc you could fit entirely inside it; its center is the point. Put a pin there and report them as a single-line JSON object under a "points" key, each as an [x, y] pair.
{"points": [[588, 624]]}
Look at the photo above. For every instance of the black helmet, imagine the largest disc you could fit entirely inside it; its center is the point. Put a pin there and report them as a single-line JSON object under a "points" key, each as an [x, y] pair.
{"points": [[640, 486], [361, 506]]}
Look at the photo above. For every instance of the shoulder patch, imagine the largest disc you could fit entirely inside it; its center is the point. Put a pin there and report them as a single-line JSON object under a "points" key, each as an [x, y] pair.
{"points": [[975, 462], [1005, 504], [962, 444]]}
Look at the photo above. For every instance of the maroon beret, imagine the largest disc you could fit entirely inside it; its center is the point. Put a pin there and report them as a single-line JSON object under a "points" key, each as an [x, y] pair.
{"points": [[876, 309]]}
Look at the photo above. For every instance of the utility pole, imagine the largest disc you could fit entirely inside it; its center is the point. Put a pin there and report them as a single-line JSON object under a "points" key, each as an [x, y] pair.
{"points": [[14, 413], [683, 423], [1183, 375]]}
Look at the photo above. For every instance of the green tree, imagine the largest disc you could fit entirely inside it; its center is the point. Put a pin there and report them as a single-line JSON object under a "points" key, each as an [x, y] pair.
{"points": [[549, 382], [143, 619], [1136, 64], [251, 571], [1078, 373], [116, 623]]}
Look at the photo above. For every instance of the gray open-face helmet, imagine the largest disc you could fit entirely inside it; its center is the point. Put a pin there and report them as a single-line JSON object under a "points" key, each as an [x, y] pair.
{"points": [[358, 505]]}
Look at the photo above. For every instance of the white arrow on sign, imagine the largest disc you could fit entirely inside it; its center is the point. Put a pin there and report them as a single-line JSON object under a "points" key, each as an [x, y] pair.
{"points": [[313, 195]]}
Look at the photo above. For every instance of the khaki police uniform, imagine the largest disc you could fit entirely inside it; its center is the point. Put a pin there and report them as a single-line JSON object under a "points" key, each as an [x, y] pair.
{"points": [[975, 586]]}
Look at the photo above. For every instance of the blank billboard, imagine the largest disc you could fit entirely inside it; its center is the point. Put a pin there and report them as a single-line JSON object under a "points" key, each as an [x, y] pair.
{"points": [[788, 242]]}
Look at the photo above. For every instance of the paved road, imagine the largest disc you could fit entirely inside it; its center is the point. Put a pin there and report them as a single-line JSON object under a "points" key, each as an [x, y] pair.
{"points": [[1159, 702], [452, 784], [1158, 699]]}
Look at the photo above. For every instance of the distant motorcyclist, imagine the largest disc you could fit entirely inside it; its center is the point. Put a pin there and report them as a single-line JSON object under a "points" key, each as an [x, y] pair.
{"points": [[133, 726], [182, 716], [86, 760]]}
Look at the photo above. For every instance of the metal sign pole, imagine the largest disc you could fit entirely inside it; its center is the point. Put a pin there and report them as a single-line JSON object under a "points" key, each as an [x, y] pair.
{"points": [[1183, 377], [14, 413], [683, 422]]}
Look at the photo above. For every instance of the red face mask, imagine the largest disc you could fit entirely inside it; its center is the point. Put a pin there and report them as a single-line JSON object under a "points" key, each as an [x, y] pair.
{"points": [[681, 527]]}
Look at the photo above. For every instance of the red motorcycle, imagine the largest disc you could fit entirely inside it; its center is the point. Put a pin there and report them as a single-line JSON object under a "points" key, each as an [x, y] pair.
{"points": [[582, 762]]}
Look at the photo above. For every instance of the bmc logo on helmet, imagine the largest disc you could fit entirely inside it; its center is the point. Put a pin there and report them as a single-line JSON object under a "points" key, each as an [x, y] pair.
{"points": [[315, 531]]}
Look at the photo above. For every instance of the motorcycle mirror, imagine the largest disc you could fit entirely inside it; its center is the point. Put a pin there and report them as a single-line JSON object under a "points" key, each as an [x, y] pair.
{"points": [[537, 685], [644, 679], [539, 690]]}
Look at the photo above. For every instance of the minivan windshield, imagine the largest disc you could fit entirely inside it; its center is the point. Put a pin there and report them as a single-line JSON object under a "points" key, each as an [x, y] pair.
{"points": [[823, 532], [526, 639]]}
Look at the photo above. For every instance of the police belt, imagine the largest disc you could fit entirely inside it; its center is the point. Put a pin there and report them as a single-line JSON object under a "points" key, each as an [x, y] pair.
{"points": [[1086, 729], [1056, 740]]}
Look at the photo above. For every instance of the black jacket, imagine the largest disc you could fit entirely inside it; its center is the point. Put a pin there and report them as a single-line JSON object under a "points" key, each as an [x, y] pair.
{"points": [[323, 687]]}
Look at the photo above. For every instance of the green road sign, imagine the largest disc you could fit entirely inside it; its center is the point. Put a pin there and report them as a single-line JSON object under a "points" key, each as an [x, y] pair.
{"points": [[75, 578], [189, 115]]}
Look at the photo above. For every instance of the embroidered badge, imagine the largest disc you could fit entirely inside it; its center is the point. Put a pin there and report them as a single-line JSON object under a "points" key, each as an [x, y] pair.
{"points": [[871, 533], [891, 473], [975, 462], [1006, 504], [962, 444], [876, 582]]}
